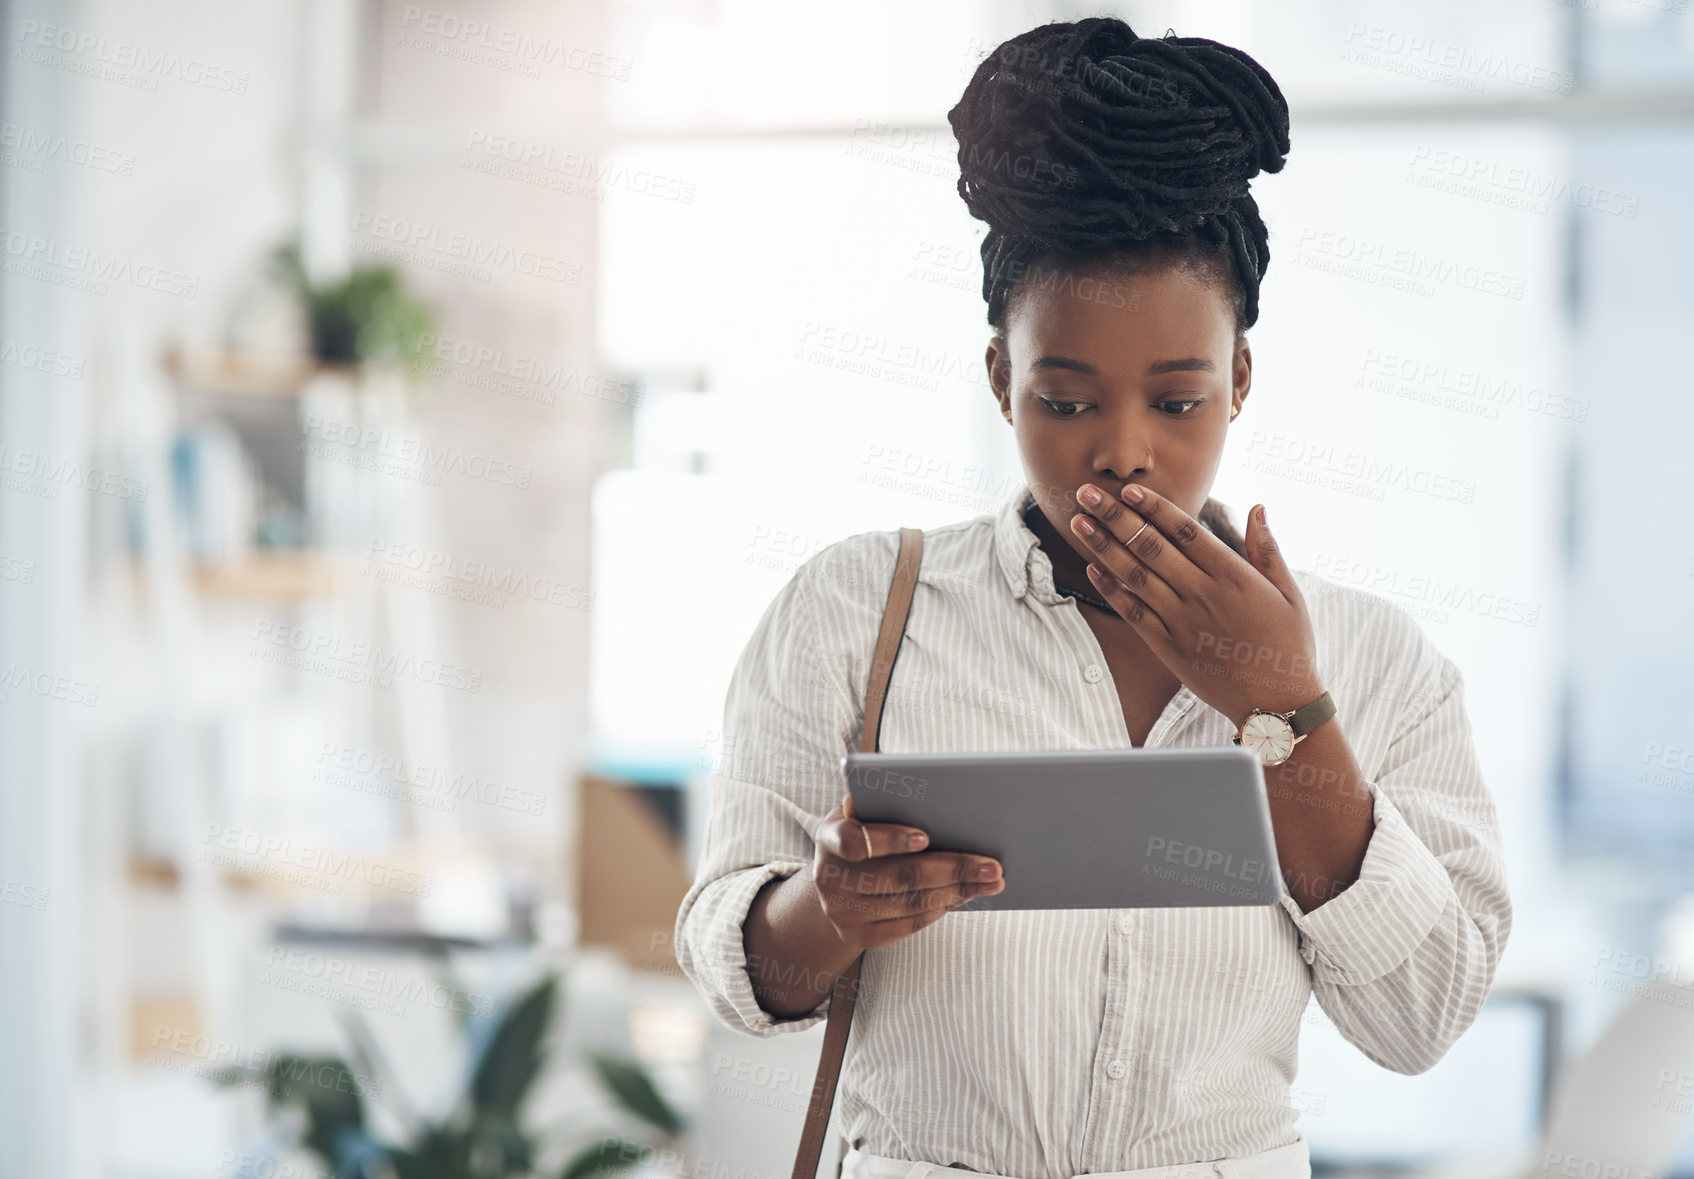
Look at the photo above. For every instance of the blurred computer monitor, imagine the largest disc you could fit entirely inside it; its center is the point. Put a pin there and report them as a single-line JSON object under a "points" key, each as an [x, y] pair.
{"points": [[1487, 1096]]}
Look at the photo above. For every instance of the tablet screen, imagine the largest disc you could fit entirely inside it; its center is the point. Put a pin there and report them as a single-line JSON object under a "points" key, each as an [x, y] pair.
{"points": [[1133, 828]]}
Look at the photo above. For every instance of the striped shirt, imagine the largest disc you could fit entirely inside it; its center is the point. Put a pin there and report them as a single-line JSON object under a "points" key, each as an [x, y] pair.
{"points": [[1049, 1043]]}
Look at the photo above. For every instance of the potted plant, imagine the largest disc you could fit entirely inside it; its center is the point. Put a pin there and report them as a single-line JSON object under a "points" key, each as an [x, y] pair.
{"points": [[365, 317], [319, 1105]]}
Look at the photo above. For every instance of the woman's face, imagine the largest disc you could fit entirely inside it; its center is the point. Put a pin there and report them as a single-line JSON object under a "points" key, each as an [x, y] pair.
{"points": [[1115, 381]]}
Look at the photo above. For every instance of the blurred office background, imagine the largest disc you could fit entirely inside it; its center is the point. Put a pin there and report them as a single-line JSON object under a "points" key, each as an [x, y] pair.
{"points": [[364, 631]]}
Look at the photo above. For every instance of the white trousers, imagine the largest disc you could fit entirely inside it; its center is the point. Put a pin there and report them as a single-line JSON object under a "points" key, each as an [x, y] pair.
{"points": [[1292, 1161]]}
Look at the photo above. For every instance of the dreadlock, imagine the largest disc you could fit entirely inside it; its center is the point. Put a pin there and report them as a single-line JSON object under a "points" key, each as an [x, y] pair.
{"points": [[1090, 150], [1142, 148]]}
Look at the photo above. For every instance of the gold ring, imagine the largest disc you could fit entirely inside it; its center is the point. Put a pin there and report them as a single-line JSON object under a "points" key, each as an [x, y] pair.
{"points": [[1138, 532], [866, 831]]}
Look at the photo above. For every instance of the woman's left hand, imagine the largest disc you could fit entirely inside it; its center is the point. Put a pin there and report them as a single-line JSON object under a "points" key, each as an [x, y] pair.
{"points": [[1235, 631]]}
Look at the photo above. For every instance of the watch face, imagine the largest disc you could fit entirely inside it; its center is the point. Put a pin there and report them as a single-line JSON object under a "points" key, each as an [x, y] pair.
{"points": [[1269, 736]]}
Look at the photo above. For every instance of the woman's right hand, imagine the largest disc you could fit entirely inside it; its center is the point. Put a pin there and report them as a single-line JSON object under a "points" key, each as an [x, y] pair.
{"points": [[876, 890]]}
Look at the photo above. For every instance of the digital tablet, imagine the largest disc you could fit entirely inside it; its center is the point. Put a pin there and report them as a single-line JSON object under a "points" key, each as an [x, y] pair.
{"points": [[1088, 829]]}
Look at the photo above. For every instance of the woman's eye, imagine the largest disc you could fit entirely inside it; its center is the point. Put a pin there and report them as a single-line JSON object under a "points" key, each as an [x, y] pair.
{"points": [[1063, 409], [1188, 406]]}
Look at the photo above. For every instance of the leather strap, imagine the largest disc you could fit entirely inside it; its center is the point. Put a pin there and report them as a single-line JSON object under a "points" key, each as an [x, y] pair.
{"points": [[845, 994], [893, 630], [1309, 716]]}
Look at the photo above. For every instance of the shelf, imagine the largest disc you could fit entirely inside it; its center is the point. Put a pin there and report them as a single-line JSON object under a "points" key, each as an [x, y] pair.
{"points": [[339, 875], [393, 941], [290, 574], [164, 874], [277, 573], [221, 372], [160, 873]]}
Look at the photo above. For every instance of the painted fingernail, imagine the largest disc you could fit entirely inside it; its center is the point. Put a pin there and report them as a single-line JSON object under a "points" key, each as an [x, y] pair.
{"points": [[1132, 493], [1089, 494], [1095, 572], [917, 840], [988, 872], [1084, 525]]}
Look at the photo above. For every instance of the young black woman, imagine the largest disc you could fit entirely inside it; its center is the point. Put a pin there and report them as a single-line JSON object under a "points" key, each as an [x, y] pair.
{"points": [[1107, 603]]}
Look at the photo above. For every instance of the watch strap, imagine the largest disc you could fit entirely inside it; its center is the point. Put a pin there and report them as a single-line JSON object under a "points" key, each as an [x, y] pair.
{"points": [[1303, 720]]}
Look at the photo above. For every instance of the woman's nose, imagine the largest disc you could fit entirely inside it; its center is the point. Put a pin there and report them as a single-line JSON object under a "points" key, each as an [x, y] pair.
{"points": [[1123, 459]]}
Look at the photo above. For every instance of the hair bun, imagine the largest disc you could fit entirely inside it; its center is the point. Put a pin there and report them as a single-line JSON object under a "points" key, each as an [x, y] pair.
{"points": [[1136, 134], [1077, 134]]}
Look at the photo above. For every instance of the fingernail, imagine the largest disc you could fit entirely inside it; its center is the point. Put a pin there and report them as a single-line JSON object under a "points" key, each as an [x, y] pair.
{"points": [[917, 840], [1089, 494], [988, 872], [1132, 493]]}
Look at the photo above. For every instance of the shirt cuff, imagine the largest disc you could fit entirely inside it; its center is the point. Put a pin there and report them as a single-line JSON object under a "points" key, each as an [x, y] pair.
{"points": [[1376, 923], [726, 964]]}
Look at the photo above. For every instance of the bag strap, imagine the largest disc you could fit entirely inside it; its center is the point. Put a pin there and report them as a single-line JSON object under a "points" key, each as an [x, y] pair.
{"points": [[845, 994]]}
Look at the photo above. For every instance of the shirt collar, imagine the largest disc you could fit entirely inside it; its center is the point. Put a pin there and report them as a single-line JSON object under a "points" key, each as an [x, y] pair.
{"points": [[1029, 573], [1027, 568]]}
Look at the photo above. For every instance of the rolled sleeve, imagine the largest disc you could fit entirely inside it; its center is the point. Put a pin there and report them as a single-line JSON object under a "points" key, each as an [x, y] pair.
{"points": [[789, 716], [716, 956], [1378, 921], [1402, 959]]}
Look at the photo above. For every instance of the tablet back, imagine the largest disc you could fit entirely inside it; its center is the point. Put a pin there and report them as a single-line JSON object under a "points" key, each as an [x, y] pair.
{"points": [[1088, 829]]}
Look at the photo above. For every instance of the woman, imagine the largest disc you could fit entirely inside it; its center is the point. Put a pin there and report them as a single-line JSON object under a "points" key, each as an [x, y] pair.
{"points": [[1106, 603]]}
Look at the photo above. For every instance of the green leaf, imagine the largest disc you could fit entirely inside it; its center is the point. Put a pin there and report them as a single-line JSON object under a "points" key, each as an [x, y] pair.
{"points": [[500, 1147], [516, 1151], [409, 1164], [603, 1158], [439, 1153], [368, 1056], [449, 980], [329, 1091], [365, 317], [354, 1154], [629, 1083], [286, 257], [512, 1057], [236, 1075]]}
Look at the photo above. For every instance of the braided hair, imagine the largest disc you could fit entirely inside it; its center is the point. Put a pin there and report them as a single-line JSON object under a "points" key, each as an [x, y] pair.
{"points": [[1084, 145], [1091, 150]]}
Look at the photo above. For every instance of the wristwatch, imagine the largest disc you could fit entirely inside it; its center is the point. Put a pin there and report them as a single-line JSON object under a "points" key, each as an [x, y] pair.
{"points": [[1273, 735]]}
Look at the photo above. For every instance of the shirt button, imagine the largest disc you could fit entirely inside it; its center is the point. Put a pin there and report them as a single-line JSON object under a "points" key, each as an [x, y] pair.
{"points": [[1126, 924], [1092, 673], [1115, 1070]]}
